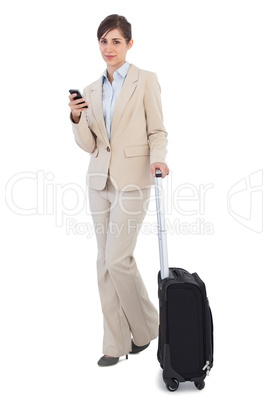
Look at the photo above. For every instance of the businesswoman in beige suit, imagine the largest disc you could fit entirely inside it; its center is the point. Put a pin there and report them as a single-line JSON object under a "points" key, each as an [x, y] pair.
{"points": [[122, 129]]}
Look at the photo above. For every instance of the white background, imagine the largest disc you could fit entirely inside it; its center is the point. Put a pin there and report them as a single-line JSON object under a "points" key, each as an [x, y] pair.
{"points": [[211, 61]]}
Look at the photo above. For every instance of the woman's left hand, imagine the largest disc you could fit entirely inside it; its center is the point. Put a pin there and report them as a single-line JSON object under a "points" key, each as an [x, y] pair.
{"points": [[162, 166]]}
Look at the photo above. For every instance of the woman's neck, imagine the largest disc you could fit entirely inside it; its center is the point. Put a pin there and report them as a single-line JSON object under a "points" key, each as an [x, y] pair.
{"points": [[112, 69]]}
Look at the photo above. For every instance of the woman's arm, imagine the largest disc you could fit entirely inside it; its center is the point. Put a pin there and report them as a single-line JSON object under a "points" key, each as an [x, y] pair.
{"points": [[157, 135], [84, 137]]}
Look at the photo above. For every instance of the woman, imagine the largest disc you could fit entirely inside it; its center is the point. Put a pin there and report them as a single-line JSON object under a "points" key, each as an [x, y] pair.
{"points": [[122, 128]]}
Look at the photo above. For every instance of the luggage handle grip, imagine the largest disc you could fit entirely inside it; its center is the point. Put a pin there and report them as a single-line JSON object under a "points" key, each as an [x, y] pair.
{"points": [[158, 173]]}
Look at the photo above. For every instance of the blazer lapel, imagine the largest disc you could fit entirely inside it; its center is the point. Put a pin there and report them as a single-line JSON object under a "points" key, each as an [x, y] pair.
{"points": [[97, 110], [125, 95]]}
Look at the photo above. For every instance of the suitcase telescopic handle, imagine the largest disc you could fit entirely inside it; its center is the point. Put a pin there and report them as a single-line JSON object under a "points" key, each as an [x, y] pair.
{"points": [[162, 233]]}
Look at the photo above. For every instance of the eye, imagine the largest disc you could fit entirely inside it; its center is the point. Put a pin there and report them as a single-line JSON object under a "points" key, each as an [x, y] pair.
{"points": [[103, 41], [116, 42]]}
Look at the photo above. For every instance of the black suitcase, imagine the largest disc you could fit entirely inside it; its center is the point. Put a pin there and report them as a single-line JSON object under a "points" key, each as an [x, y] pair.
{"points": [[185, 343]]}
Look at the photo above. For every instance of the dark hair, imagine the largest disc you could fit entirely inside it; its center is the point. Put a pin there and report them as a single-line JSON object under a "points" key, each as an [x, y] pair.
{"points": [[115, 21]]}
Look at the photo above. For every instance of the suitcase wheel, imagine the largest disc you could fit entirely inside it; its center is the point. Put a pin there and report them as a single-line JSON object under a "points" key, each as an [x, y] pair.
{"points": [[172, 384], [200, 385]]}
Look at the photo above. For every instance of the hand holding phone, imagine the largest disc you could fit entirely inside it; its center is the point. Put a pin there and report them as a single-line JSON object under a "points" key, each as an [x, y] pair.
{"points": [[75, 105]]}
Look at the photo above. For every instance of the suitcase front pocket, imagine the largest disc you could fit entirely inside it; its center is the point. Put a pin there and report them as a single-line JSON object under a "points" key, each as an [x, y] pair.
{"points": [[185, 329]]}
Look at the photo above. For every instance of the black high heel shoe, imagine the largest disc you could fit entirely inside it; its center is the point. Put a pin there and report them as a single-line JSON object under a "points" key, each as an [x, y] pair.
{"points": [[137, 349], [106, 361]]}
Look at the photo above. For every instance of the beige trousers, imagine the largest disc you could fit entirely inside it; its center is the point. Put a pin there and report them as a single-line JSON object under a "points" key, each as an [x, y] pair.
{"points": [[117, 216]]}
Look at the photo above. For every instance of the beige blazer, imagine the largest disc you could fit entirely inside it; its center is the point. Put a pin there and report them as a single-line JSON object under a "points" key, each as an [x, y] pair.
{"points": [[138, 136]]}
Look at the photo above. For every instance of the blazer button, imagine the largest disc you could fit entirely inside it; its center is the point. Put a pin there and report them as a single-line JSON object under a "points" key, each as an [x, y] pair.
{"points": [[108, 149]]}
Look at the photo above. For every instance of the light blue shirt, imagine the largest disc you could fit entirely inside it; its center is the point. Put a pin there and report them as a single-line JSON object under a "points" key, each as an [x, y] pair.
{"points": [[110, 94]]}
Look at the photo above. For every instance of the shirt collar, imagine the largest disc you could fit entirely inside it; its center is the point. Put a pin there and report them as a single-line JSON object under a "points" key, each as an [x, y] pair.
{"points": [[123, 70]]}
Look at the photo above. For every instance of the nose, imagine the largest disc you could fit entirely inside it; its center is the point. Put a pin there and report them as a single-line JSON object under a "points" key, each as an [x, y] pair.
{"points": [[109, 48]]}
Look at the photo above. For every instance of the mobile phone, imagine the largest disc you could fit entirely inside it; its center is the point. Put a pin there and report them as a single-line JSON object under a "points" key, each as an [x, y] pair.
{"points": [[78, 96]]}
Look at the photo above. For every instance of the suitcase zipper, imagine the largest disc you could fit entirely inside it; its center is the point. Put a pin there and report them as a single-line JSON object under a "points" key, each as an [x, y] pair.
{"points": [[207, 346], [207, 367]]}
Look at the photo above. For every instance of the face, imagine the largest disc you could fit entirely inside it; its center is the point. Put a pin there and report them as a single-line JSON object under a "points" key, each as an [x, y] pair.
{"points": [[113, 47]]}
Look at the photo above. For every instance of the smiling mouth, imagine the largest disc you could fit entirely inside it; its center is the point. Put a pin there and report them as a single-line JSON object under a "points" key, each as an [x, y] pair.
{"points": [[109, 57]]}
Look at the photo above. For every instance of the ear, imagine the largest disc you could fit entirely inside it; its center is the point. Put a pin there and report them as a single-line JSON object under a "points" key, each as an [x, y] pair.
{"points": [[130, 44]]}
